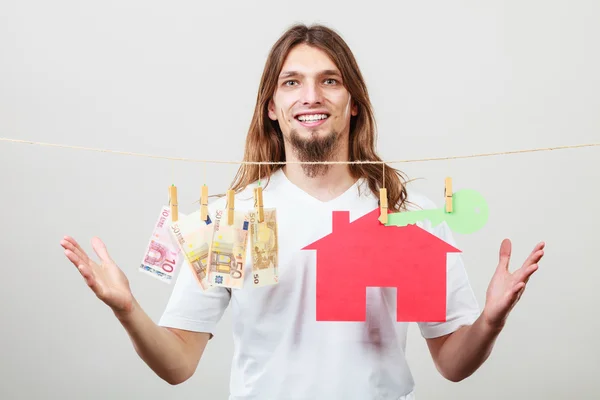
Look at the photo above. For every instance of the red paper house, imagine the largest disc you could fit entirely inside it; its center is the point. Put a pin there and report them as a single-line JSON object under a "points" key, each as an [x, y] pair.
{"points": [[366, 253]]}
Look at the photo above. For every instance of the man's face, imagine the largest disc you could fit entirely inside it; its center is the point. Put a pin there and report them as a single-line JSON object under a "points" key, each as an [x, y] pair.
{"points": [[312, 105]]}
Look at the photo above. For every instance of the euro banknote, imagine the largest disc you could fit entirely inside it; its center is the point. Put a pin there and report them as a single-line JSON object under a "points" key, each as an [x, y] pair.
{"points": [[193, 236], [227, 253], [264, 247], [162, 258]]}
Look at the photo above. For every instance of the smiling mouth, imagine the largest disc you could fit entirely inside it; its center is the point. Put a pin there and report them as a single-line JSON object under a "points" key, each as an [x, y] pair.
{"points": [[312, 119]]}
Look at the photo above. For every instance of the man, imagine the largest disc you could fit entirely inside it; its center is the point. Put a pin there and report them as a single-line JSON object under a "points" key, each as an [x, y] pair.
{"points": [[312, 106]]}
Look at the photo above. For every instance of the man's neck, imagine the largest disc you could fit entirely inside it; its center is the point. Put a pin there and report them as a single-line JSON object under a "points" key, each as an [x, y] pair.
{"points": [[325, 186]]}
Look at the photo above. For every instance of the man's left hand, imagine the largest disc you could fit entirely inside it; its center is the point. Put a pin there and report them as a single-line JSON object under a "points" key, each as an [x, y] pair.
{"points": [[506, 288]]}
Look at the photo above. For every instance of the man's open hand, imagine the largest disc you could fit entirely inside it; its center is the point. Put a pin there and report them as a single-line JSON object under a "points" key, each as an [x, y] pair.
{"points": [[506, 288]]}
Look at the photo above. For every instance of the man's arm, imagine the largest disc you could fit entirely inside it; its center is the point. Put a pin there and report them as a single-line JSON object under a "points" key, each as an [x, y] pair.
{"points": [[173, 354], [459, 354]]}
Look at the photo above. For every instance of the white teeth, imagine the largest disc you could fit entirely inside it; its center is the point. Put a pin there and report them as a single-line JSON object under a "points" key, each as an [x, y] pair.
{"points": [[312, 117]]}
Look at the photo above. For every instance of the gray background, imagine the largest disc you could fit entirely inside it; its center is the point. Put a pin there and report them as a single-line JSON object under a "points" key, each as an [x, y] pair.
{"points": [[180, 79]]}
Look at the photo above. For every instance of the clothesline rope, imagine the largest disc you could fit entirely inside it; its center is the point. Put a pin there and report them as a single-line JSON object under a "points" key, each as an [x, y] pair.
{"points": [[300, 162]]}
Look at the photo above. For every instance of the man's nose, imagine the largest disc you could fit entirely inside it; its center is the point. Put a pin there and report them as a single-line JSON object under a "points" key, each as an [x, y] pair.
{"points": [[312, 94]]}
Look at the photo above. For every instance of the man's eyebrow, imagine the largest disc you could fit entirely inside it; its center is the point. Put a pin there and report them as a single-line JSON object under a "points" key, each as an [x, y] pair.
{"points": [[331, 72], [288, 74]]}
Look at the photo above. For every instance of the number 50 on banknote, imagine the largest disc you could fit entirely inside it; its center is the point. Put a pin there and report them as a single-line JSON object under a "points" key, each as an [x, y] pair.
{"points": [[265, 248]]}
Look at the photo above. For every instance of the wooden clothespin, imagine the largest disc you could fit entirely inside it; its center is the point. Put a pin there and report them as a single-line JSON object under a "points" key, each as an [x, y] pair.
{"points": [[204, 203], [448, 194], [383, 206], [258, 203], [173, 203], [230, 206]]}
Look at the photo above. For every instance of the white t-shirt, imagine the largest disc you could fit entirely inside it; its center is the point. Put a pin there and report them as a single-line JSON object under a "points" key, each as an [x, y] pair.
{"points": [[280, 350]]}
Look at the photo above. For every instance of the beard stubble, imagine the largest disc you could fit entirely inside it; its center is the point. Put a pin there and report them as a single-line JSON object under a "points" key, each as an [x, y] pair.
{"points": [[314, 149]]}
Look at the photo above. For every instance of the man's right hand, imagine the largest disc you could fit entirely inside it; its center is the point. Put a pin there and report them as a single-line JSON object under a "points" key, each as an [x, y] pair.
{"points": [[106, 279]]}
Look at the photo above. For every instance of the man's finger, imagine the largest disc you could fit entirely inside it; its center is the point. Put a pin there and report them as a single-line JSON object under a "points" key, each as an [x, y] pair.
{"points": [[531, 262], [100, 249], [74, 258], [515, 292], [518, 291], [504, 255], [90, 279], [76, 248], [82, 257], [519, 287], [535, 256], [67, 245], [86, 270], [525, 272]]}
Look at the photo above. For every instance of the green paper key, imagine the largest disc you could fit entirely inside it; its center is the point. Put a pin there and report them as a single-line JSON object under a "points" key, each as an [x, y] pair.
{"points": [[469, 213]]}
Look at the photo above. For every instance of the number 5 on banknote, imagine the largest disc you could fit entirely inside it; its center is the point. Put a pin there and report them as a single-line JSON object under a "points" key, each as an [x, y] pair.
{"points": [[265, 248]]}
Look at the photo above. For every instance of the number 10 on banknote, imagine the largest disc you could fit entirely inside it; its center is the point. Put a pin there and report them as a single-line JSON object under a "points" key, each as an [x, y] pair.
{"points": [[162, 256], [265, 248]]}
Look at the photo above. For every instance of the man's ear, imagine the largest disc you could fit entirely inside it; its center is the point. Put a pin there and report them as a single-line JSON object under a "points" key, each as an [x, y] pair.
{"points": [[354, 109], [271, 110]]}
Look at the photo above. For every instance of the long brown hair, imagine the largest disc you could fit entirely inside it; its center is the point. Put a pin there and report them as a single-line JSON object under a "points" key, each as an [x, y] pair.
{"points": [[264, 142]]}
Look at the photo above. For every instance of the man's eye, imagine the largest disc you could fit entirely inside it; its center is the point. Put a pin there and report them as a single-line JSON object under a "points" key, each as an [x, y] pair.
{"points": [[287, 83], [331, 80]]}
